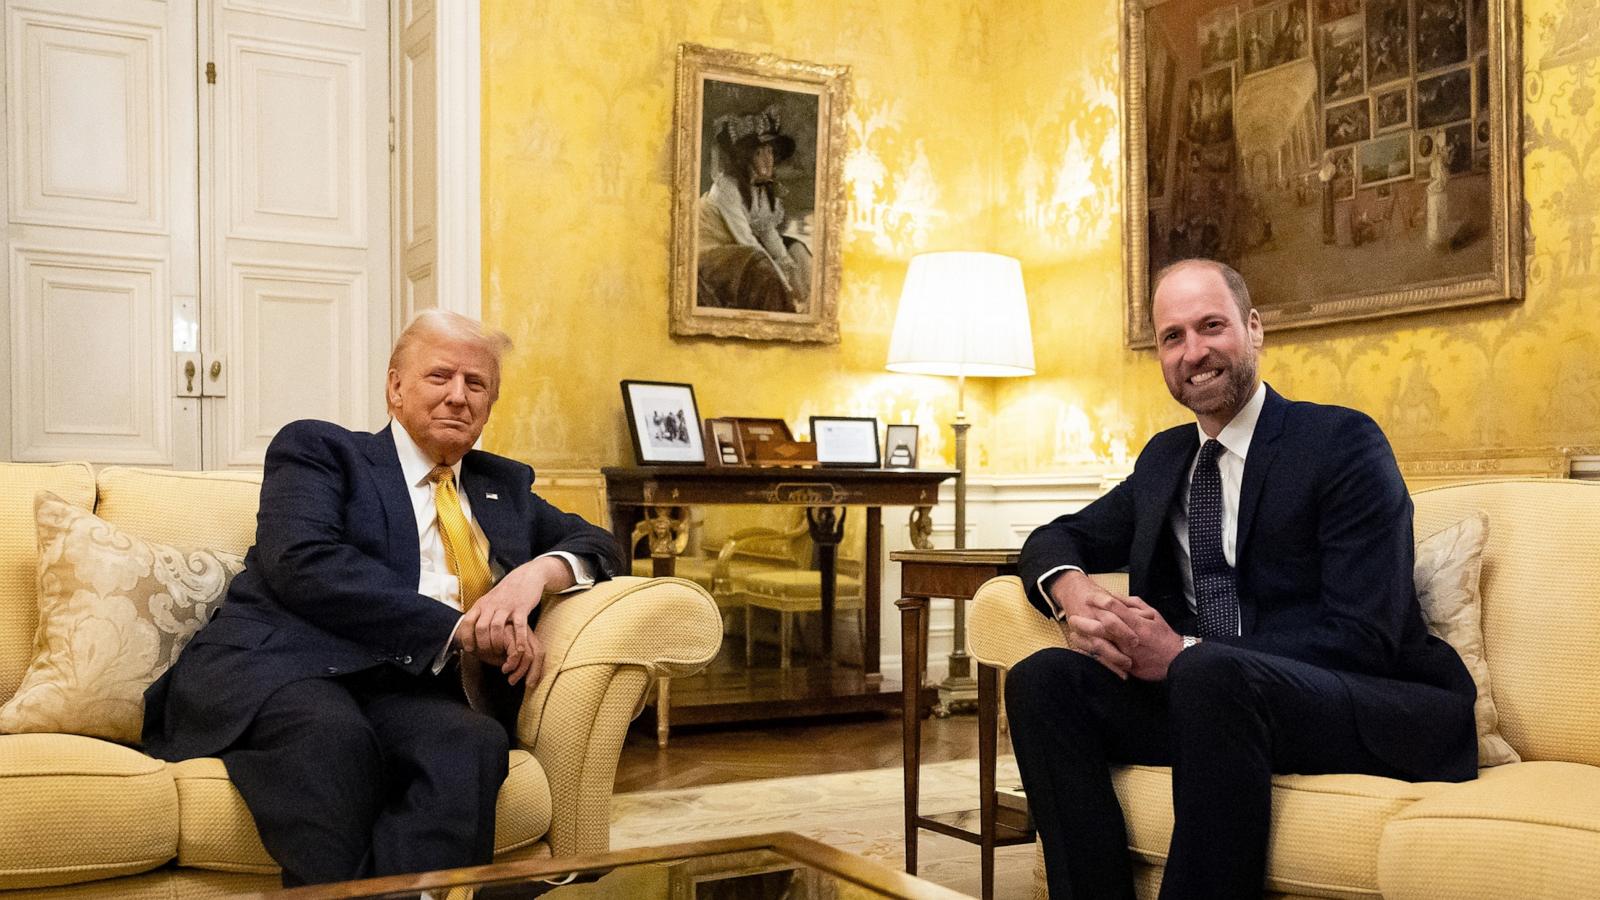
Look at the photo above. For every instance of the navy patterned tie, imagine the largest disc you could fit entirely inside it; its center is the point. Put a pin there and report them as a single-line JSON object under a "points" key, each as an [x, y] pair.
{"points": [[1216, 592]]}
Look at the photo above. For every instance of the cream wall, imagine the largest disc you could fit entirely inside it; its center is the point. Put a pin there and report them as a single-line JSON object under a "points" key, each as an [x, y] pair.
{"points": [[974, 124]]}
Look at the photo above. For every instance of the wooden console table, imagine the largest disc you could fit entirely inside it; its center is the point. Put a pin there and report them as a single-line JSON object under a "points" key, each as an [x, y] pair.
{"points": [[650, 493], [925, 574]]}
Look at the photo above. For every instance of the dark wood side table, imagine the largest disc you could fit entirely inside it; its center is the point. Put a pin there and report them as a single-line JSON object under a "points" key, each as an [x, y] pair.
{"points": [[925, 574], [650, 493]]}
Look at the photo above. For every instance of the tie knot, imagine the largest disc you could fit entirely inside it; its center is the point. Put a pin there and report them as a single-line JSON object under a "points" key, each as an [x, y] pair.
{"points": [[441, 474], [1210, 450]]}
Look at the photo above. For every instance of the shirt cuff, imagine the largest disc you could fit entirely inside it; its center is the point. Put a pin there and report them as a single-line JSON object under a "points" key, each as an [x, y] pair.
{"points": [[1058, 612], [581, 576], [443, 659]]}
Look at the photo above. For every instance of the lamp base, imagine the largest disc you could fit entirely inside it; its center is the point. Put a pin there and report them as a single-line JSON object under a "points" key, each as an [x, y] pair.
{"points": [[956, 695]]}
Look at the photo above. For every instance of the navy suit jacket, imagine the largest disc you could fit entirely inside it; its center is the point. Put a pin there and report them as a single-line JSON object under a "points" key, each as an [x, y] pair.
{"points": [[1324, 565], [330, 586]]}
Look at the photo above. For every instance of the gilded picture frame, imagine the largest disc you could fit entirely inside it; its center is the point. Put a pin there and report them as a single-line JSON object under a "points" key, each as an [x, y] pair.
{"points": [[1344, 172], [758, 204]]}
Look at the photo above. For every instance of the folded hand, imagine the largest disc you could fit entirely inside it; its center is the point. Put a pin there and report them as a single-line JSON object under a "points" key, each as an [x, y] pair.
{"points": [[497, 628]]}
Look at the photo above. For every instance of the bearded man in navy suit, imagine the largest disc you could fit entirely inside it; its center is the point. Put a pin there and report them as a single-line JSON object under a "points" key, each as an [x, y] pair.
{"points": [[361, 714], [1272, 624]]}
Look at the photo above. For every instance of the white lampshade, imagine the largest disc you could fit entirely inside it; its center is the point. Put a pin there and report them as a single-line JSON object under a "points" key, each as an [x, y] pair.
{"points": [[962, 313]]}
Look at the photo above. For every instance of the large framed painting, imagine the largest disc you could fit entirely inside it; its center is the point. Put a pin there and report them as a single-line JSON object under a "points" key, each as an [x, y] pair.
{"points": [[758, 196], [1351, 158]]}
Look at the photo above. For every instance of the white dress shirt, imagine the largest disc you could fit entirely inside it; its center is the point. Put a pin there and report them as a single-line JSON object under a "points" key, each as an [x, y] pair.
{"points": [[1235, 440], [435, 579]]}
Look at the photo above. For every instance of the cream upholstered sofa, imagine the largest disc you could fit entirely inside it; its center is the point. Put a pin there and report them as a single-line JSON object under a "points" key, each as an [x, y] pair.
{"points": [[1524, 829], [85, 817]]}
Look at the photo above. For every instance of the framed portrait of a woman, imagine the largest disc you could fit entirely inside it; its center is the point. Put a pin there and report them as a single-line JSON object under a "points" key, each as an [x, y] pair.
{"points": [[758, 196]]}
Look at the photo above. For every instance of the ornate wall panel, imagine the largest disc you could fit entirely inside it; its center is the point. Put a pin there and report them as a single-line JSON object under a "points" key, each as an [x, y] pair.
{"points": [[87, 109], [101, 307]]}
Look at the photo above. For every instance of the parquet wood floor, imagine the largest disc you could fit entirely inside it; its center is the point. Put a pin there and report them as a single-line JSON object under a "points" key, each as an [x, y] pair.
{"points": [[719, 754]]}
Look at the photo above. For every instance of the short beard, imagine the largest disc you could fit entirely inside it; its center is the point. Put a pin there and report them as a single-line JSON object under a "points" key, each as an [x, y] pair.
{"points": [[1241, 383]]}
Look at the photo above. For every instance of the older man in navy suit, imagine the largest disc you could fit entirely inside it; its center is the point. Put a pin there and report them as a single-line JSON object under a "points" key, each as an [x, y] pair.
{"points": [[360, 712], [1272, 624]]}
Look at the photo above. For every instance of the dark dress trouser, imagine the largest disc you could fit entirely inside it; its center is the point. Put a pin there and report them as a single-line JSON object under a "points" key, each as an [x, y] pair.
{"points": [[1225, 720], [376, 773]]}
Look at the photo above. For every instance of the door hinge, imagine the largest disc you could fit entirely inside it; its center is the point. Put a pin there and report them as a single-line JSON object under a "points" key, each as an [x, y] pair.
{"points": [[211, 73]]}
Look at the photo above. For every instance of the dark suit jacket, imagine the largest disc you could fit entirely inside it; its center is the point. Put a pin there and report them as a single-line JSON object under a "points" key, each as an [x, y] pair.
{"points": [[330, 586], [1324, 564]]}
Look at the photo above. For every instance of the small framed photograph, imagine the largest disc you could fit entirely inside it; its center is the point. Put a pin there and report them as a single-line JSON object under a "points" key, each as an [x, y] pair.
{"points": [[663, 422], [722, 443], [900, 447], [845, 441]]}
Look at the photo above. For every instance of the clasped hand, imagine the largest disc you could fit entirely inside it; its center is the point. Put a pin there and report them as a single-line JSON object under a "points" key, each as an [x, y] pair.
{"points": [[496, 628], [1124, 634]]}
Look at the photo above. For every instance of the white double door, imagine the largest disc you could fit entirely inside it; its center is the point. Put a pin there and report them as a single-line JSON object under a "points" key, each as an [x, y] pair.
{"points": [[198, 224]]}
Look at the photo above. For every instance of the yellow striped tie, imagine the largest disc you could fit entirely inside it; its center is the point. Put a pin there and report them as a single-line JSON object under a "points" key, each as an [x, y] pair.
{"points": [[469, 564]]}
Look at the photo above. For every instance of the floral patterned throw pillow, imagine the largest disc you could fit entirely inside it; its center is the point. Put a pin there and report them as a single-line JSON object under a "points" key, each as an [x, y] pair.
{"points": [[1446, 572], [114, 612]]}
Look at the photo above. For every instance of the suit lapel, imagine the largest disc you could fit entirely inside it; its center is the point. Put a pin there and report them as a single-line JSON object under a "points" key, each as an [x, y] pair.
{"points": [[494, 512], [1170, 474], [1263, 449], [399, 516]]}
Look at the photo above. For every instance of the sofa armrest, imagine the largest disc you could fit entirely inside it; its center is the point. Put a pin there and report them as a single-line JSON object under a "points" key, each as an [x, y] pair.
{"points": [[1003, 628], [603, 648]]}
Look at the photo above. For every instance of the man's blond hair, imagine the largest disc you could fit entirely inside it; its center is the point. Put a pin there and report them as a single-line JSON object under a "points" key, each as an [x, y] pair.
{"points": [[442, 323]]}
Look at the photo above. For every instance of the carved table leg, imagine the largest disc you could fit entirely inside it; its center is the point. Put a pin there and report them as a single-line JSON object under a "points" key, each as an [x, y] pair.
{"points": [[988, 703], [827, 530], [872, 598], [913, 625]]}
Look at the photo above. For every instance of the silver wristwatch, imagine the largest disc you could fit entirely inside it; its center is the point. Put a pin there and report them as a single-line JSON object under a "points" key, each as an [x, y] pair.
{"points": [[1189, 640]]}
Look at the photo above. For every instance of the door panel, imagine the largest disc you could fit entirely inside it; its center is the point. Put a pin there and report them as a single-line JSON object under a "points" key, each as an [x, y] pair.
{"points": [[89, 100], [270, 270], [300, 172], [81, 351], [344, 12], [101, 247], [294, 321]]}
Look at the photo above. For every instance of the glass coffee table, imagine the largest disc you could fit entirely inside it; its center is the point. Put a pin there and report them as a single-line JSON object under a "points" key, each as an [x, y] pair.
{"points": [[754, 867]]}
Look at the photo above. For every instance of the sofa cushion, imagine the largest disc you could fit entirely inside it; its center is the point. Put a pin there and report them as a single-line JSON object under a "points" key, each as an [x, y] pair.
{"points": [[77, 809], [19, 555], [1525, 830], [1448, 565], [115, 611], [189, 509], [523, 810], [1541, 607], [217, 833], [1325, 828]]}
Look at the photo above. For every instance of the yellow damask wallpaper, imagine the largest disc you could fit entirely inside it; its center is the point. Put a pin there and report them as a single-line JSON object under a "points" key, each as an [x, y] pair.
{"points": [[577, 208], [986, 125], [1482, 381]]}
